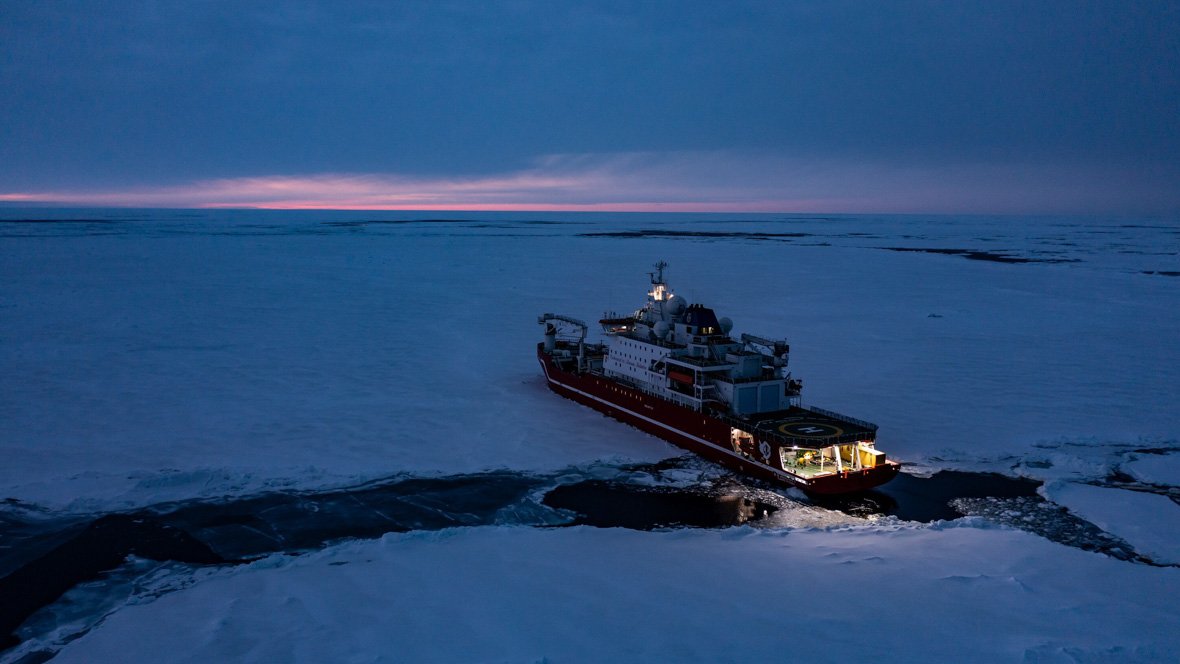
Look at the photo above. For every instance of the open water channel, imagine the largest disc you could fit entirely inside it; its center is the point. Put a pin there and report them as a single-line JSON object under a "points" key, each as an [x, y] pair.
{"points": [[76, 569]]}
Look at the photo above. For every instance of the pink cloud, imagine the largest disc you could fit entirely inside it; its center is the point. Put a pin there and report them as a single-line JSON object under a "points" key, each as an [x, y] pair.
{"points": [[663, 182]]}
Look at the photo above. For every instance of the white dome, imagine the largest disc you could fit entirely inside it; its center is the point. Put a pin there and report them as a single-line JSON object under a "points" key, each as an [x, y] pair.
{"points": [[662, 329], [726, 324], [676, 305]]}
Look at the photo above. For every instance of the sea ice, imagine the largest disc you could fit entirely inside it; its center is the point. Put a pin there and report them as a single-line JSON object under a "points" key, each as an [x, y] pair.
{"points": [[1157, 469], [214, 354], [885, 594], [175, 357], [1149, 522]]}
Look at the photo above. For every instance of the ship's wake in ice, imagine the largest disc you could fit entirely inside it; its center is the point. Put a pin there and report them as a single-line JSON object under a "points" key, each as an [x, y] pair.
{"points": [[82, 570]]}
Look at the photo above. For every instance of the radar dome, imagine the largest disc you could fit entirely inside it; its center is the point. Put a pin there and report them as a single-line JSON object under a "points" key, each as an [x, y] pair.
{"points": [[726, 324], [676, 305], [662, 330]]}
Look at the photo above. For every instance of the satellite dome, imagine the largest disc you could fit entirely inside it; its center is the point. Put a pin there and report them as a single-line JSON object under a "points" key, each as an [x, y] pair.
{"points": [[662, 329], [676, 305], [726, 324]]}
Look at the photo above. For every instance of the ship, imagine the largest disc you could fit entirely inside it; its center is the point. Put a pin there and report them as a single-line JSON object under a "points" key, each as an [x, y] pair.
{"points": [[672, 369]]}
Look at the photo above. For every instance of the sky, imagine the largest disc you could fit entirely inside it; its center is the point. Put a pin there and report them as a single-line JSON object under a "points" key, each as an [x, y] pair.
{"points": [[811, 106]]}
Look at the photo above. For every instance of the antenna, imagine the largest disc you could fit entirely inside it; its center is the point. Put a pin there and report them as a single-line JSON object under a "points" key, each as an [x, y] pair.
{"points": [[659, 266]]}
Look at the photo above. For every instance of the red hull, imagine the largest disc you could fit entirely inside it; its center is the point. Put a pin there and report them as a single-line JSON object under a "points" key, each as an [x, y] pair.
{"points": [[696, 432]]}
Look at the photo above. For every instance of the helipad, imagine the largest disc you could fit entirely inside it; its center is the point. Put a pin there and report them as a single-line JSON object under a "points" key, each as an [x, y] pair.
{"points": [[807, 429]]}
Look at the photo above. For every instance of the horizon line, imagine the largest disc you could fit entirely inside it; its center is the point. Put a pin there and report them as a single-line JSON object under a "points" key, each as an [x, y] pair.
{"points": [[605, 208]]}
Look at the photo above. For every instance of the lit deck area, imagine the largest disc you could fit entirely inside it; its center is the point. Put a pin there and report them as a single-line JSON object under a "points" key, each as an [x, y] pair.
{"points": [[810, 470]]}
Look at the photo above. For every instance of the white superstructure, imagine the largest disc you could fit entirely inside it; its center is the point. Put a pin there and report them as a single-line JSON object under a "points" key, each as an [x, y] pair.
{"points": [[683, 353]]}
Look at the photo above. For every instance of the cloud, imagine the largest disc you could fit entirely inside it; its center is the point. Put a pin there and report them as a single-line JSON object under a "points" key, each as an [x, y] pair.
{"points": [[718, 181], [166, 91]]}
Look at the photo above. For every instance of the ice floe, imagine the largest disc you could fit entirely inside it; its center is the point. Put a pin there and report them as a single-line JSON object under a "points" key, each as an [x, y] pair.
{"points": [[1149, 522]]}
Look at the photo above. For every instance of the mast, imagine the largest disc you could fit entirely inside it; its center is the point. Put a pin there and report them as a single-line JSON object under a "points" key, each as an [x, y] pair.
{"points": [[660, 278], [659, 289]]}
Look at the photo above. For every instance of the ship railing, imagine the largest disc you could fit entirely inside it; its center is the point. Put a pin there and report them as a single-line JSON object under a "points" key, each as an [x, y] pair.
{"points": [[572, 345], [740, 381], [684, 400], [665, 394], [790, 441], [702, 362], [679, 398], [661, 343], [837, 416]]}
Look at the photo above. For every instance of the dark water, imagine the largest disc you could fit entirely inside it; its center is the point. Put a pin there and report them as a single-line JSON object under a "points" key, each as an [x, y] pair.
{"points": [[607, 504], [291, 521], [927, 499], [975, 255], [55, 557], [235, 531], [101, 546]]}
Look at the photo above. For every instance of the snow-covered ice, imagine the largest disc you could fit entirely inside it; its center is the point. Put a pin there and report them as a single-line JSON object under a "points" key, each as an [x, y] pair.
{"points": [[1147, 521], [153, 356], [175, 355], [1158, 469], [898, 594]]}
